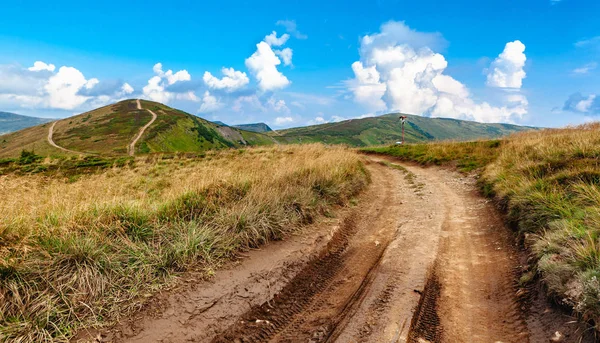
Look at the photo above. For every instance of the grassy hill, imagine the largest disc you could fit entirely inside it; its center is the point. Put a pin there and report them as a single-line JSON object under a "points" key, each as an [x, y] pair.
{"points": [[386, 129], [11, 122], [108, 131], [256, 127]]}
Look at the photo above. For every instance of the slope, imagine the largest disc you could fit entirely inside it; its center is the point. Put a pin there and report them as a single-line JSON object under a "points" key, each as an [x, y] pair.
{"points": [[386, 129], [256, 127], [11, 122], [111, 129]]}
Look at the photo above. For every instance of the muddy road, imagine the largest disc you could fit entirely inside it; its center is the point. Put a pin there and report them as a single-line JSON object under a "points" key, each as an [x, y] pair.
{"points": [[420, 258]]}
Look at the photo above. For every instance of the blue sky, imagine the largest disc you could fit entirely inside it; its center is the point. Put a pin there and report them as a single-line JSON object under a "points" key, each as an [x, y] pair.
{"points": [[532, 62]]}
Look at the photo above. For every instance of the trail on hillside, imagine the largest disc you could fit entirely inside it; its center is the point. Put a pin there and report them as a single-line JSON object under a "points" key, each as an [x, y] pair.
{"points": [[51, 140], [131, 147], [421, 258]]}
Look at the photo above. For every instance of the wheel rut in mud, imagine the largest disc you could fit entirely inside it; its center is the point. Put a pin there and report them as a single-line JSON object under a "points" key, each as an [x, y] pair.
{"points": [[421, 258], [321, 296]]}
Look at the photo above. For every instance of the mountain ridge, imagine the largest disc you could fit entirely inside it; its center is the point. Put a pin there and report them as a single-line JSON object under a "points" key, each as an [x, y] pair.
{"points": [[109, 130]]}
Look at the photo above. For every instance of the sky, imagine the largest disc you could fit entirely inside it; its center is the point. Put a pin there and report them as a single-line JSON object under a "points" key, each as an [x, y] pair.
{"points": [[296, 63]]}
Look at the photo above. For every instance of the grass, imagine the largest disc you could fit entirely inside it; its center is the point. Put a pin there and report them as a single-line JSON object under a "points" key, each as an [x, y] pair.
{"points": [[466, 156], [387, 129], [548, 182], [83, 250]]}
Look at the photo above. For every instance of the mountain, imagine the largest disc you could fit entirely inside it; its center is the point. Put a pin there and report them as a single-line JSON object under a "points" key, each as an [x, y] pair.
{"points": [[111, 129], [256, 127], [10, 122], [387, 129]]}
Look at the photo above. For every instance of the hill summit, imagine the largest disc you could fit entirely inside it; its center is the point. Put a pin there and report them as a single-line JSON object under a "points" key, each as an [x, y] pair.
{"points": [[110, 130], [133, 127]]}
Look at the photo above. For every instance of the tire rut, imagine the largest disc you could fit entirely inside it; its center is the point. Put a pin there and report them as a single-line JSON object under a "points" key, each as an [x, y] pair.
{"points": [[331, 286]]}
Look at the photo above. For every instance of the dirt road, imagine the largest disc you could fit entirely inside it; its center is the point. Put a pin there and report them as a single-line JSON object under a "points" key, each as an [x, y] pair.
{"points": [[131, 146], [421, 258], [51, 140]]}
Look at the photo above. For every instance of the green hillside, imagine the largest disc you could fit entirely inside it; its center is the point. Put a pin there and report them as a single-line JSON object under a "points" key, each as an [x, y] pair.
{"points": [[109, 130], [387, 129], [11, 122]]}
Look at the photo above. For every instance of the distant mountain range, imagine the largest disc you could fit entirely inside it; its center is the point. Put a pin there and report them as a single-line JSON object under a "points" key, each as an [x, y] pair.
{"points": [[387, 129], [256, 127], [110, 130], [11, 122]]}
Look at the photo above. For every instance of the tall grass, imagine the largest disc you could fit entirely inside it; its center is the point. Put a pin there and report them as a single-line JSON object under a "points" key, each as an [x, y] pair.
{"points": [[82, 252], [548, 181], [466, 156]]}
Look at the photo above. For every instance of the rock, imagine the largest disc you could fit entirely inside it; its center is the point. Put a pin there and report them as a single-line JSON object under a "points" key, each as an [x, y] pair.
{"points": [[558, 337]]}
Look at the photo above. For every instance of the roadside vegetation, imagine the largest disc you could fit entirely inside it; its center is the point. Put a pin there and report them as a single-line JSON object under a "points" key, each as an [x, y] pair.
{"points": [[548, 182], [79, 247], [466, 156]]}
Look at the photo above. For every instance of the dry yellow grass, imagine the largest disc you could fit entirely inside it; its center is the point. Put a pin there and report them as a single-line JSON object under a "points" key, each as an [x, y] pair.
{"points": [[74, 253]]}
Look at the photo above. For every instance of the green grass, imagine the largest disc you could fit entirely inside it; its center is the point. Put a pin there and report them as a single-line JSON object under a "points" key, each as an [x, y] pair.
{"points": [[388, 130], [466, 156]]}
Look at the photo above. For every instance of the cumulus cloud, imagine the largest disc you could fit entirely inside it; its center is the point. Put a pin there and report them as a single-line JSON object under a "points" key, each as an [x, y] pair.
{"points": [[280, 121], [158, 88], [210, 103], [291, 28], [231, 81], [126, 88], [398, 70], [507, 69], [39, 66], [317, 120], [588, 104], [286, 55], [263, 65], [586, 68], [42, 86], [272, 39]]}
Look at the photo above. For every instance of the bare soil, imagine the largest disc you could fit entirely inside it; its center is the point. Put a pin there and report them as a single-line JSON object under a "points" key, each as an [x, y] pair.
{"points": [[421, 258], [131, 146]]}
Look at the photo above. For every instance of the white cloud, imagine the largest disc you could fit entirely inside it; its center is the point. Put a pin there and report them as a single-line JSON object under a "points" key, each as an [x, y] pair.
{"points": [[367, 88], [263, 65], [317, 121], [507, 69], [272, 39], [64, 86], [42, 86], [399, 71], [210, 103], [291, 28], [126, 88], [588, 42], [39, 65], [280, 121], [155, 90], [232, 81], [277, 105], [251, 102], [586, 68], [286, 55], [578, 103]]}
